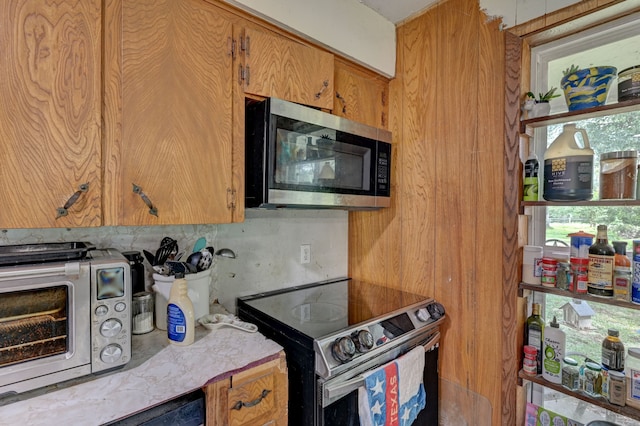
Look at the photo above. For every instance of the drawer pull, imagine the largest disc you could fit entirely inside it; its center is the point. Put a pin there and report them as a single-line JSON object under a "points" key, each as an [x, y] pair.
{"points": [[238, 405]]}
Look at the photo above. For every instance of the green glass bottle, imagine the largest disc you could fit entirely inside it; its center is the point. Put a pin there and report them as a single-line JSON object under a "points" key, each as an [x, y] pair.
{"points": [[533, 334]]}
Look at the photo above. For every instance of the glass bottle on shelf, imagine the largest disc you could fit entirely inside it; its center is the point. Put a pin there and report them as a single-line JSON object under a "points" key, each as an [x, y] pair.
{"points": [[613, 351], [621, 272], [530, 181], [533, 335], [601, 260]]}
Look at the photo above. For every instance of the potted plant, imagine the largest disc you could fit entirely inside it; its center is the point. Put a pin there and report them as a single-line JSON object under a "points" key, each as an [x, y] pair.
{"points": [[539, 107], [588, 87]]}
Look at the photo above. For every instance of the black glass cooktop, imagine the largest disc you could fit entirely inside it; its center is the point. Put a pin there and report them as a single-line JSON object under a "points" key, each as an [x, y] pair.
{"points": [[324, 308]]}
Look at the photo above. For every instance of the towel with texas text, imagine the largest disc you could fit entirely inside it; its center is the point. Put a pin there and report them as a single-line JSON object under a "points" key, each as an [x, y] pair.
{"points": [[393, 394]]}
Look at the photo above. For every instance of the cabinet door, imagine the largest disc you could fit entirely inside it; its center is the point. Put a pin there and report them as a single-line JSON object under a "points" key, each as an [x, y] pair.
{"points": [[50, 113], [360, 95], [283, 68], [257, 396], [169, 107]]}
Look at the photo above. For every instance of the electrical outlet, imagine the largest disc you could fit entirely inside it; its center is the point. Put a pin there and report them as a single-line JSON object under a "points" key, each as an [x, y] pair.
{"points": [[305, 253]]}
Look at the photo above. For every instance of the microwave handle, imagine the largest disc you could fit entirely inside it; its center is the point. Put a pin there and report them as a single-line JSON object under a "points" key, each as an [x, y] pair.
{"points": [[348, 386]]}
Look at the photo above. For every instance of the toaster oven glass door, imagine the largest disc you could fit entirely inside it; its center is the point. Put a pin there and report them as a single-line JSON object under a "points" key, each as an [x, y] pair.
{"points": [[34, 324]]}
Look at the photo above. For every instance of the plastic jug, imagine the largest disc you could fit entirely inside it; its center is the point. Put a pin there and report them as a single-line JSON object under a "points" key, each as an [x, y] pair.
{"points": [[568, 167]]}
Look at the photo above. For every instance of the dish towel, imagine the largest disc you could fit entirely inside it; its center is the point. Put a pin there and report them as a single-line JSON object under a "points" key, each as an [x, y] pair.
{"points": [[393, 394]]}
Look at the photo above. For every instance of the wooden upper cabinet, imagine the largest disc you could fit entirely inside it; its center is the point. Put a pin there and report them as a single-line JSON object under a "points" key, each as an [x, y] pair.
{"points": [[361, 95], [283, 68], [50, 113], [168, 113]]}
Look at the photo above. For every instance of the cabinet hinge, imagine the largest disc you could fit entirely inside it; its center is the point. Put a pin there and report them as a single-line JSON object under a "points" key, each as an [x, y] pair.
{"points": [[232, 47], [244, 74], [231, 199], [245, 44]]}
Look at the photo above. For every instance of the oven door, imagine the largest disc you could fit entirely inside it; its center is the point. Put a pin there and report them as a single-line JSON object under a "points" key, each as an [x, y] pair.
{"points": [[44, 325], [339, 405]]}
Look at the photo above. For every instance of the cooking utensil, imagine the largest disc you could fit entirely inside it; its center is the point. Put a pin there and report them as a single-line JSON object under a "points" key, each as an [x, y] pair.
{"points": [[200, 244], [170, 247], [150, 257], [225, 252], [215, 321], [206, 258], [194, 258]]}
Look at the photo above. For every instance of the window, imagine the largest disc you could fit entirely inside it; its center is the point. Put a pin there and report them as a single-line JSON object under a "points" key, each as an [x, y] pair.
{"points": [[617, 44]]}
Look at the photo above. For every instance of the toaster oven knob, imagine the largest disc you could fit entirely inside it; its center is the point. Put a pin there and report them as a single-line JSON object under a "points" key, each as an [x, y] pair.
{"points": [[101, 310], [363, 340], [110, 354], [343, 349], [110, 328]]}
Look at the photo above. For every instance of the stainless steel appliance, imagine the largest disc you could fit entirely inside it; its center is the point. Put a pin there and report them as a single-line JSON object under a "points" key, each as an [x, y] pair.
{"points": [[65, 312], [335, 331], [297, 156]]}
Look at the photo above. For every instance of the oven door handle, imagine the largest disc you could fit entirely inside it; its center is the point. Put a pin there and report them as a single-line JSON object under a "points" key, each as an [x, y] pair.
{"points": [[332, 391]]}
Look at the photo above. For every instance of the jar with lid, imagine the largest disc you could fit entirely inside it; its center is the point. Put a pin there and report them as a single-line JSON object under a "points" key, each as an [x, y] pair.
{"points": [[629, 83], [617, 388], [570, 374], [142, 312], [563, 276], [549, 268], [613, 351], [580, 268], [530, 361], [592, 379], [618, 175], [622, 275], [632, 371]]}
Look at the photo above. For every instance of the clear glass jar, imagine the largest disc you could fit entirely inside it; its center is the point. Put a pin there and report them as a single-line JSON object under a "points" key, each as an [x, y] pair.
{"points": [[570, 374], [142, 313], [592, 379]]}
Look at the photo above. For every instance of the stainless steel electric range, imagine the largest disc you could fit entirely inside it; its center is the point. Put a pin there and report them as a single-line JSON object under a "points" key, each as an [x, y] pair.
{"points": [[335, 331]]}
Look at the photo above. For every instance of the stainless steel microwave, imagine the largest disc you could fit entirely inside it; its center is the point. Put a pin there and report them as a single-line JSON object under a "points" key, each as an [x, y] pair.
{"points": [[300, 157]]}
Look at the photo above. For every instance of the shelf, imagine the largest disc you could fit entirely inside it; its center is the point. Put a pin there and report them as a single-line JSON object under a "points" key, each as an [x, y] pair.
{"points": [[581, 296], [582, 114], [600, 402], [604, 203]]}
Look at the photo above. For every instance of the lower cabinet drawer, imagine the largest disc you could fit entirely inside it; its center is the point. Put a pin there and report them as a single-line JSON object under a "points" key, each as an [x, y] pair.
{"points": [[254, 402], [254, 397]]}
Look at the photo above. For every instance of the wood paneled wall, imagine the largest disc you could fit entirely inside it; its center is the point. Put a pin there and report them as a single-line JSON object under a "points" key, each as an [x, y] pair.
{"points": [[443, 234]]}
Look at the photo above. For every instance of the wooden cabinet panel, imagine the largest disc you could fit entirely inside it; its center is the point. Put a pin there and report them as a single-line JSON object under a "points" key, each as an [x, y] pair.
{"points": [[361, 96], [286, 69], [258, 396], [50, 113], [168, 106]]}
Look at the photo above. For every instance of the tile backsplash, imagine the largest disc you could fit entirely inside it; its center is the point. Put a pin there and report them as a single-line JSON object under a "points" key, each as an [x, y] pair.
{"points": [[267, 246]]}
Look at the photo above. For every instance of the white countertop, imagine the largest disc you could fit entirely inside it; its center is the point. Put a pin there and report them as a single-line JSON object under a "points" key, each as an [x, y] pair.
{"points": [[157, 373]]}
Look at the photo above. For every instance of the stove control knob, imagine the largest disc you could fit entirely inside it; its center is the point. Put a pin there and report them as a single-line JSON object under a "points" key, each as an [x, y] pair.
{"points": [[363, 340], [436, 310], [423, 315], [343, 349]]}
